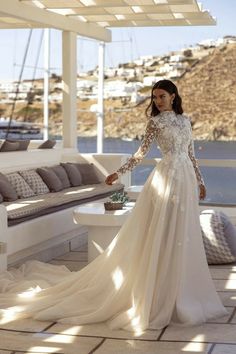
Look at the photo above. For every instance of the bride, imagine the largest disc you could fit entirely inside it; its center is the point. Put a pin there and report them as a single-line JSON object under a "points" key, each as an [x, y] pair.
{"points": [[154, 273]]}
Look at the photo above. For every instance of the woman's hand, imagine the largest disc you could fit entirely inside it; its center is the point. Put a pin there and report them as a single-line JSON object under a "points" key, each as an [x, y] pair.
{"points": [[202, 191], [111, 178]]}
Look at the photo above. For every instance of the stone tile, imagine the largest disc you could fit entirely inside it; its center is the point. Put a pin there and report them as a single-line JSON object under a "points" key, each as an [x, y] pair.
{"points": [[73, 266], [219, 273], [223, 319], [74, 256], [79, 242], [233, 321], [26, 325], [224, 349], [102, 330], [48, 343], [225, 285], [145, 347], [213, 333], [224, 266], [228, 298]]}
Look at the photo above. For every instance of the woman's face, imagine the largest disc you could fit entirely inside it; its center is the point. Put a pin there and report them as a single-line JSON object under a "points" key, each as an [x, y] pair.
{"points": [[163, 100]]}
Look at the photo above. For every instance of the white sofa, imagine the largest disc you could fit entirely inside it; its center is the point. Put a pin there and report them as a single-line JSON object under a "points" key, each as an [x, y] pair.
{"points": [[42, 233]]}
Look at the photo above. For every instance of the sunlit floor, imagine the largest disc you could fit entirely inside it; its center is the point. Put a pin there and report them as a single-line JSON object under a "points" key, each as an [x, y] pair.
{"points": [[218, 337]]}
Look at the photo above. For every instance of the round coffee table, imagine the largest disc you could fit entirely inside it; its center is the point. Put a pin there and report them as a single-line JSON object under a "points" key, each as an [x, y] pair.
{"points": [[102, 225]]}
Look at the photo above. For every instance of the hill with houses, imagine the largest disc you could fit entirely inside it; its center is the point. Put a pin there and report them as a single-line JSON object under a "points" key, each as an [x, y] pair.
{"points": [[205, 75]]}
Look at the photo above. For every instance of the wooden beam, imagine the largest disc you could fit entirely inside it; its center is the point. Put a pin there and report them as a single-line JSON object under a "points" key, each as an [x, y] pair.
{"points": [[32, 14]]}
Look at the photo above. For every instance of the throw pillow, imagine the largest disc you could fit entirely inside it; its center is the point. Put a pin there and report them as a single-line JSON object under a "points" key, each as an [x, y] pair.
{"points": [[6, 189], [216, 247], [48, 144], [22, 188], [9, 146], [50, 178], [229, 232], [62, 175], [23, 144], [88, 173], [73, 174], [34, 181]]}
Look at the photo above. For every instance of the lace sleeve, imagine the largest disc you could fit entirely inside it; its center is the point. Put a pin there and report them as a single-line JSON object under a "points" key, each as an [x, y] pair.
{"points": [[150, 134], [195, 163]]}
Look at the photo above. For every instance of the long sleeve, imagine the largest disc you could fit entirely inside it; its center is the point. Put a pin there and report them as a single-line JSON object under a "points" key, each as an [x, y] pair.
{"points": [[150, 134], [195, 163]]}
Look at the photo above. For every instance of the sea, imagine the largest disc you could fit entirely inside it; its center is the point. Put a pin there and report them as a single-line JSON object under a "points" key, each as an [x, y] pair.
{"points": [[220, 181]]}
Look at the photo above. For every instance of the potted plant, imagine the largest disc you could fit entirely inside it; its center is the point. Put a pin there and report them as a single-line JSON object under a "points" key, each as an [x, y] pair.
{"points": [[118, 199]]}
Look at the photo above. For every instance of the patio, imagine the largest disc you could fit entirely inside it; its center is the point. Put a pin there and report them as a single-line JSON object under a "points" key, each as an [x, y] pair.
{"points": [[29, 336], [218, 337]]}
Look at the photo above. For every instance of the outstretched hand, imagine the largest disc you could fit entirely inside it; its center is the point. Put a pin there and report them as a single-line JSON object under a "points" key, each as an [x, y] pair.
{"points": [[111, 178], [202, 191]]}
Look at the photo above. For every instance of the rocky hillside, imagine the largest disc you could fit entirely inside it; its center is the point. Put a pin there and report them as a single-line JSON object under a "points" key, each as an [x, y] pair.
{"points": [[209, 95], [209, 98]]}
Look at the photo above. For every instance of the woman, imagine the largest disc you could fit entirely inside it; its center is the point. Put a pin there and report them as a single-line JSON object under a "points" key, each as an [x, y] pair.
{"points": [[154, 272]]}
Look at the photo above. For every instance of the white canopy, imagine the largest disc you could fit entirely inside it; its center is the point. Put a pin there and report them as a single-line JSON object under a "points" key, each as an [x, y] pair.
{"points": [[92, 18]]}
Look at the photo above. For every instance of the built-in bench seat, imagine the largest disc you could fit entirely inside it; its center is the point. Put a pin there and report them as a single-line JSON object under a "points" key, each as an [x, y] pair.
{"points": [[39, 222], [22, 210]]}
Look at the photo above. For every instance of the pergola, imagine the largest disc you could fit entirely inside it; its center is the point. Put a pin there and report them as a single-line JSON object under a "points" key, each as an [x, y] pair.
{"points": [[93, 19]]}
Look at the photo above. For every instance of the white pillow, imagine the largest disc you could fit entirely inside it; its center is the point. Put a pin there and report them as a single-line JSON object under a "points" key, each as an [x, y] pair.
{"points": [[217, 248]]}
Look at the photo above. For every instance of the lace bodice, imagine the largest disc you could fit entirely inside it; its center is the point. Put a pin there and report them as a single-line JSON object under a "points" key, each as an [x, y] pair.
{"points": [[173, 134]]}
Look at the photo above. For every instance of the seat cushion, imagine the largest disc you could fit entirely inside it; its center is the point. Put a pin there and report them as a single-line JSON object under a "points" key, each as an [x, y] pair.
{"points": [[34, 181], [217, 248], [22, 188], [51, 202], [50, 178]]}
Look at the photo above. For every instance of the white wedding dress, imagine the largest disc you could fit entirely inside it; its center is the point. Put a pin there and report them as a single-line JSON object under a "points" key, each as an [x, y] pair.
{"points": [[154, 272]]}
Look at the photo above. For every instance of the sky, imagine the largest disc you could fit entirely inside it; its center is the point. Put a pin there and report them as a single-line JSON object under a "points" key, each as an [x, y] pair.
{"points": [[127, 43]]}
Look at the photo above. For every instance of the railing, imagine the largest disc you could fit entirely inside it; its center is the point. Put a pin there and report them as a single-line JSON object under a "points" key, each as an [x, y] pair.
{"points": [[202, 162]]}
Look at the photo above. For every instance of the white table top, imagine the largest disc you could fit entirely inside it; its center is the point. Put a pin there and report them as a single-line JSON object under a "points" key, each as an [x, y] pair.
{"points": [[95, 214]]}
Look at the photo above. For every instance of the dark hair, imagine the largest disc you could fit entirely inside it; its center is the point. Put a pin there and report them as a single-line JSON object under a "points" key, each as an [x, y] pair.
{"points": [[170, 87]]}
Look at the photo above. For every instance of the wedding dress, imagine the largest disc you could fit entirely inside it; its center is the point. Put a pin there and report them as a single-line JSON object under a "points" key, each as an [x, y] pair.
{"points": [[154, 272]]}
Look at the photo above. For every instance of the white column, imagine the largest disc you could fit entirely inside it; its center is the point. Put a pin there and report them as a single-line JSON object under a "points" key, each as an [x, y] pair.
{"points": [[46, 82], [100, 110], [69, 79]]}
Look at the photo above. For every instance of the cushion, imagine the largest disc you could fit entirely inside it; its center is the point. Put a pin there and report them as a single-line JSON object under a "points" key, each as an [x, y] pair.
{"points": [[88, 173], [9, 146], [1, 198], [62, 175], [216, 246], [23, 144], [229, 232], [48, 144], [34, 181], [22, 188], [6, 189], [50, 178], [73, 174]]}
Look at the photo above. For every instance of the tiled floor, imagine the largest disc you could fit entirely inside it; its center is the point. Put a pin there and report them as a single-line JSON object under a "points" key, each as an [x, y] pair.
{"points": [[215, 337]]}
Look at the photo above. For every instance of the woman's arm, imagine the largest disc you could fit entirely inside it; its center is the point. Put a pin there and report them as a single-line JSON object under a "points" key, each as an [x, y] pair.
{"points": [[150, 133], [200, 180]]}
